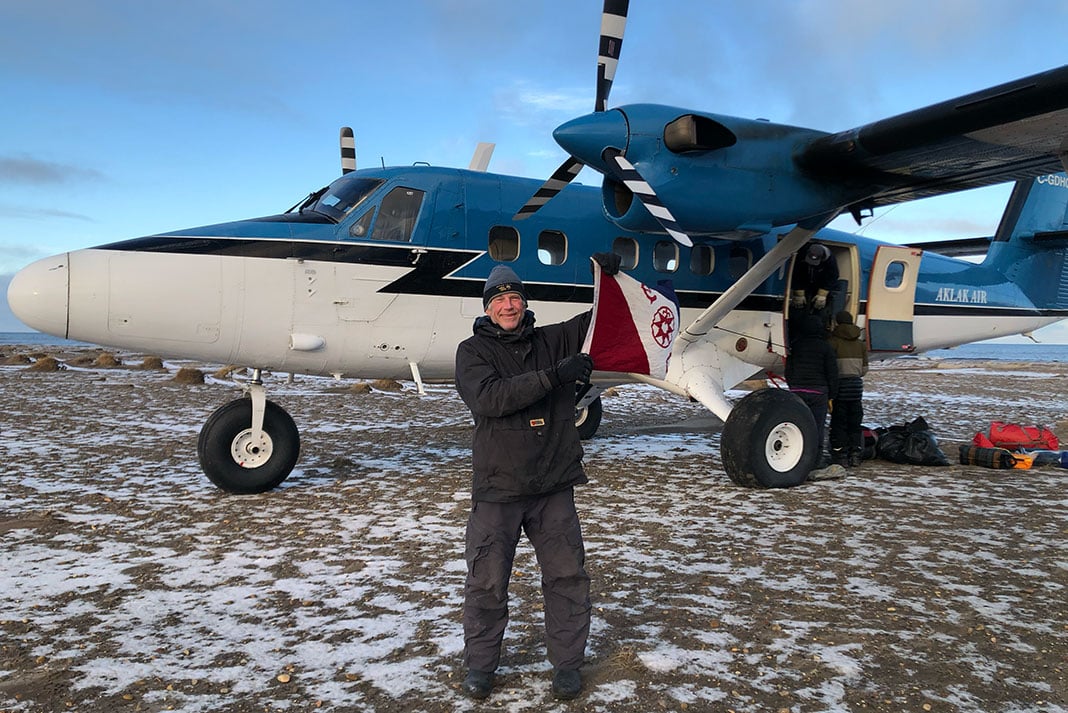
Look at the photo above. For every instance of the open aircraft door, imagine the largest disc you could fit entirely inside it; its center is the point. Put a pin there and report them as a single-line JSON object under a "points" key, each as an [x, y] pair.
{"points": [[891, 299]]}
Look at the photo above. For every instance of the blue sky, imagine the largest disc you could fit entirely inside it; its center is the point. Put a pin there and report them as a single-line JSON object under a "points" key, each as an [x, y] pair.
{"points": [[124, 118]]}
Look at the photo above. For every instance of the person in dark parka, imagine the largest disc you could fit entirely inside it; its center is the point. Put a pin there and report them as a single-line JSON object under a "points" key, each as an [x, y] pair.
{"points": [[813, 280], [812, 369], [519, 382], [847, 416]]}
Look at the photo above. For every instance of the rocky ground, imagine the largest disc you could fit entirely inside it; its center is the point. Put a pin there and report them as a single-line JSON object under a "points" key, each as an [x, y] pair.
{"points": [[129, 583]]}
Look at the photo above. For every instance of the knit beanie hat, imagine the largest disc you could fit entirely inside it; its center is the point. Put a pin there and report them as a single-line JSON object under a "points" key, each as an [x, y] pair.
{"points": [[817, 253], [502, 279], [844, 317]]}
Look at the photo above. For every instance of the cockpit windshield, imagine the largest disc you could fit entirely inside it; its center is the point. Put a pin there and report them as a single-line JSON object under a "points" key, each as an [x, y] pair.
{"points": [[336, 200]]}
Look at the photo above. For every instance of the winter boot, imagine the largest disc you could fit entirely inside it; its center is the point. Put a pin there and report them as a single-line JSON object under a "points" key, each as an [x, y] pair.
{"points": [[854, 458], [567, 684], [840, 456], [478, 684]]}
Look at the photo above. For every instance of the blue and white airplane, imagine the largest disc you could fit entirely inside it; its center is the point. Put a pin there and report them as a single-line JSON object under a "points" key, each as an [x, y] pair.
{"points": [[380, 273]]}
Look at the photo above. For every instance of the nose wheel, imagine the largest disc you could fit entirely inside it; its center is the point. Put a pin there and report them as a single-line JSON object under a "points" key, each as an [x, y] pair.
{"points": [[239, 460]]}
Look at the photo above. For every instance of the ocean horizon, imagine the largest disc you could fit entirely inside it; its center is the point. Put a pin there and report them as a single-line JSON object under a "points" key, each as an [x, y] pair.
{"points": [[979, 351]]}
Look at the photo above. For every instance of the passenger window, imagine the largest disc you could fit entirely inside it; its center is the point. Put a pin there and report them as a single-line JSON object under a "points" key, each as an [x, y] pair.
{"points": [[503, 243], [739, 262], [627, 249], [702, 260], [666, 256], [396, 218], [895, 275], [552, 247], [360, 227]]}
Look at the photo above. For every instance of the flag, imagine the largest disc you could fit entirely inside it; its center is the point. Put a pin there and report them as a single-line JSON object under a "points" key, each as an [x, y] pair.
{"points": [[633, 325]]}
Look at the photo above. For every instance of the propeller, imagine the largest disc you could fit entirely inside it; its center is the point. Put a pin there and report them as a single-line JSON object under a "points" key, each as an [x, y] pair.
{"points": [[348, 151], [633, 180], [601, 131], [613, 22]]}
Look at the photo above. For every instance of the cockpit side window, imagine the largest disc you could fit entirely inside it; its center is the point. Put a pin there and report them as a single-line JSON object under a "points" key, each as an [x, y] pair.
{"points": [[360, 227], [340, 197], [398, 214]]}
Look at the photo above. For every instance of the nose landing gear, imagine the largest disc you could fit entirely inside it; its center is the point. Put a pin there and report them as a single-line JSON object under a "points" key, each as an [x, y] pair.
{"points": [[249, 445]]}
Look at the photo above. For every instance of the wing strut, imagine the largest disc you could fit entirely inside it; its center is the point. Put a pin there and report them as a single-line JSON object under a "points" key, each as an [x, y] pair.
{"points": [[704, 367], [759, 272]]}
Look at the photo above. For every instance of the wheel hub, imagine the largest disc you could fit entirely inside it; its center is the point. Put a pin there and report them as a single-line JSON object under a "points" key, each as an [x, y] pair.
{"points": [[784, 447], [580, 415], [249, 453]]}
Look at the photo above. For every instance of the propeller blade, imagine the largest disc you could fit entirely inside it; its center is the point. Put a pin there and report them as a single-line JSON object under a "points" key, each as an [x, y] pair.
{"points": [[483, 152], [556, 183], [613, 22], [641, 188], [348, 151]]}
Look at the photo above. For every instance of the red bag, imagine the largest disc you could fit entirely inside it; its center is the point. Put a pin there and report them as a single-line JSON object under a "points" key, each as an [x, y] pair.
{"points": [[1016, 437]]}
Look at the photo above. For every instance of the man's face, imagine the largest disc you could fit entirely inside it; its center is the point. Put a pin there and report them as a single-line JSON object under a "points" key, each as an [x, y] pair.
{"points": [[506, 310]]}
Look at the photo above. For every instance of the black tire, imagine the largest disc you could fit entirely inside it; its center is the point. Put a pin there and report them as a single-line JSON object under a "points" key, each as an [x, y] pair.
{"points": [[226, 434], [769, 440], [588, 420]]}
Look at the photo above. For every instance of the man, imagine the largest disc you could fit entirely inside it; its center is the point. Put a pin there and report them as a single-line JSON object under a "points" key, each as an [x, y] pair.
{"points": [[813, 279], [847, 416], [519, 382]]}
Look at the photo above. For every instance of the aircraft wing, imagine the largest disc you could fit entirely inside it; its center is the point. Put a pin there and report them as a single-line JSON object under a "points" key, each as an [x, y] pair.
{"points": [[1009, 132]]}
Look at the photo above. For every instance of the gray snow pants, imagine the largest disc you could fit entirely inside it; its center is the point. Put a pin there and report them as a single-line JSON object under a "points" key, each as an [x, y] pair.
{"points": [[552, 526]]}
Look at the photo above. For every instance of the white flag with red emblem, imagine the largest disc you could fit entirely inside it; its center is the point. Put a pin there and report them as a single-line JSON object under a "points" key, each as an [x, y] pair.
{"points": [[633, 326]]}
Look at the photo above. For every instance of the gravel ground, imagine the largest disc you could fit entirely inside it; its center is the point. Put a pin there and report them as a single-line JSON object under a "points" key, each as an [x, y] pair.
{"points": [[131, 584]]}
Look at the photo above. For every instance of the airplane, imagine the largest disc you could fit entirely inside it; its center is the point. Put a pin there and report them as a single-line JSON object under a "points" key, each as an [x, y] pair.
{"points": [[378, 275]]}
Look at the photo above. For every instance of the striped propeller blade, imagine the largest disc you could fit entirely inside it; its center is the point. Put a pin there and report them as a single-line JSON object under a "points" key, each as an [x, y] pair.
{"points": [[348, 151], [641, 188], [556, 183], [613, 22]]}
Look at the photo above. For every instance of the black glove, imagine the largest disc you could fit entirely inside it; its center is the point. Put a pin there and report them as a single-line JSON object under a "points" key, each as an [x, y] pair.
{"points": [[572, 369], [609, 262]]}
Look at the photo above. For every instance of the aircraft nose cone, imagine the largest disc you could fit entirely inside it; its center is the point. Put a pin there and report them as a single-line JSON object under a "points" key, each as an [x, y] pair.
{"points": [[37, 295], [588, 136]]}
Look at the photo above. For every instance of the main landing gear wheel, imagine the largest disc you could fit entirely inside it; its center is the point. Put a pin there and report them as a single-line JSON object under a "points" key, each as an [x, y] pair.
{"points": [[236, 462], [588, 419], [769, 440]]}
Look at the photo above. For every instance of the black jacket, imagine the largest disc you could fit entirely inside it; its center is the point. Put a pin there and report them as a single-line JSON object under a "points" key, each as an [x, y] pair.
{"points": [[811, 364], [525, 441], [812, 278]]}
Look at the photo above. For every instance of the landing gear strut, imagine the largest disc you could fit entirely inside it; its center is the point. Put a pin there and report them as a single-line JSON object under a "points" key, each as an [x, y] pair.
{"points": [[249, 445]]}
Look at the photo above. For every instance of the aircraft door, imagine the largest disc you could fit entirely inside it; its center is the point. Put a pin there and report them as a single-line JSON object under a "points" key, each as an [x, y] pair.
{"points": [[892, 298], [448, 219], [845, 294]]}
